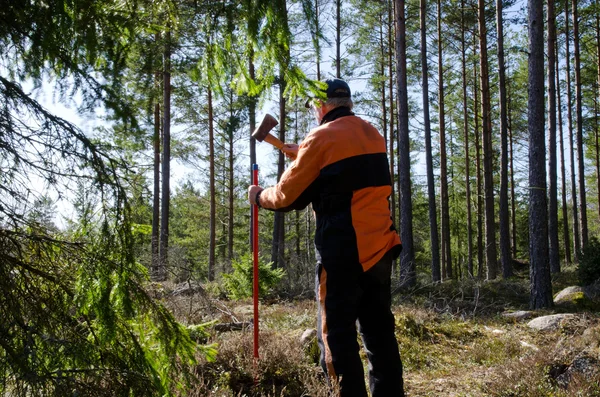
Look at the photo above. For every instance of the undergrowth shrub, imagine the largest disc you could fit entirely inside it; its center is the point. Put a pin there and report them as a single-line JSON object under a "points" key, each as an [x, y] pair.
{"points": [[282, 369], [239, 283], [589, 263]]}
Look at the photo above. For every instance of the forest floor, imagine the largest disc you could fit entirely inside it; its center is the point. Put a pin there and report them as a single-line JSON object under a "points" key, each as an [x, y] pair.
{"points": [[453, 338]]}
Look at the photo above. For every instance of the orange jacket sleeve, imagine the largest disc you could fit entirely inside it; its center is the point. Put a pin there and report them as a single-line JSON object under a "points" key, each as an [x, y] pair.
{"points": [[296, 187]]}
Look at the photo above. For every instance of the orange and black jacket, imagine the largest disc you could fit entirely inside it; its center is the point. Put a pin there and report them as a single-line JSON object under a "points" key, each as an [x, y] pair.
{"points": [[343, 170]]}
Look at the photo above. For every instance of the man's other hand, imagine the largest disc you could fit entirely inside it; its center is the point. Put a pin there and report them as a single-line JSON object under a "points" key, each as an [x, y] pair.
{"points": [[252, 190], [290, 150]]}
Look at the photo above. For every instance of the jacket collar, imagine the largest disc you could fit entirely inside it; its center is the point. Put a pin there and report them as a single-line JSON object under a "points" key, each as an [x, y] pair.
{"points": [[336, 114]]}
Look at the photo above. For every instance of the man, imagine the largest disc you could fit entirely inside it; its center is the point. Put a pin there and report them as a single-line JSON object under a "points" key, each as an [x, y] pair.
{"points": [[341, 167]]}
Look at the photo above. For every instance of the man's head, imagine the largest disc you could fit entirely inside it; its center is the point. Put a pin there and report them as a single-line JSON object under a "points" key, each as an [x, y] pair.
{"points": [[338, 95]]}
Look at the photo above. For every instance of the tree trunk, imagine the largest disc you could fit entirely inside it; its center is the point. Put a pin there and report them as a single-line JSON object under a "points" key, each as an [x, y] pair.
{"points": [[513, 207], [488, 171], [466, 135], [383, 99], [576, 235], [433, 227], [212, 193], [278, 248], [480, 248], [445, 214], [231, 187], [338, 38], [156, 196], [505, 256], [392, 109], [318, 33], [579, 119], [597, 143], [155, 273], [541, 285], [565, 215], [554, 251], [407, 256], [166, 161]]}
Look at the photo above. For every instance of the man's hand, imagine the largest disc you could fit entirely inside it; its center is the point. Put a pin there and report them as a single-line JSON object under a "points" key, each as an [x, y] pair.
{"points": [[252, 190], [290, 150]]}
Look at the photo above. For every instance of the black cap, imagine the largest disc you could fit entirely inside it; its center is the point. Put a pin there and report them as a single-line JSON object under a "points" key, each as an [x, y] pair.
{"points": [[336, 88]]}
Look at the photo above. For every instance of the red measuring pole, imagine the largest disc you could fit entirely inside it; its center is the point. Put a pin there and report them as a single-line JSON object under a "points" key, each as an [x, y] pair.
{"points": [[255, 260]]}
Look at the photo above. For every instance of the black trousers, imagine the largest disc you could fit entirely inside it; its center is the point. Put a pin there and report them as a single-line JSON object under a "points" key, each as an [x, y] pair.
{"points": [[347, 296]]}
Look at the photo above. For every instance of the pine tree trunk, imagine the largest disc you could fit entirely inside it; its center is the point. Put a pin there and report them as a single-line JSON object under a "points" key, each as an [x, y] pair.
{"points": [[318, 33], [576, 235], [392, 109], [476, 107], [231, 193], [212, 193], [513, 207], [383, 99], [597, 142], [155, 244], [488, 171], [166, 161], [505, 256], [579, 118], [541, 286], [407, 256], [466, 137], [156, 196], [565, 215], [433, 227], [553, 253], [278, 248], [445, 214], [338, 38]]}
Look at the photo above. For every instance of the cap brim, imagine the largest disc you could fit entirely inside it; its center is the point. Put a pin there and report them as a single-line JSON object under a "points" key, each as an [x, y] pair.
{"points": [[307, 103]]}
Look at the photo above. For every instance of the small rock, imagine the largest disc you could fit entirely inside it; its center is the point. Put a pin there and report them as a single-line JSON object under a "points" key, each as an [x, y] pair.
{"points": [[547, 323], [583, 366], [529, 346], [307, 336], [569, 294], [519, 315]]}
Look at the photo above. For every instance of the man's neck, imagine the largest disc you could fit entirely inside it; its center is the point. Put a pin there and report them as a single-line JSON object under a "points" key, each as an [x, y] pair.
{"points": [[336, 113]]}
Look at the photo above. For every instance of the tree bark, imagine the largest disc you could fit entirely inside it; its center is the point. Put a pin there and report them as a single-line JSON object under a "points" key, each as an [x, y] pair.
{"points": [[278, 248], [231, 188], [576, 235], [466, 137], [166, 160], [554, 255], [565, 215], [211, 176], [597, 142], [407, 256], [433, 227], [579, 118], [505, 256], [338, 38], [476, 107], [541, 286], [445, 209], [392, 109], [513, 207], [486, 124], [155, 273]]}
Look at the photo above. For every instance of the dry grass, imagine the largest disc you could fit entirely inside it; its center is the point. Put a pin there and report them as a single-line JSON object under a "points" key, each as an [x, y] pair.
{"points": [[457, 346]]}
